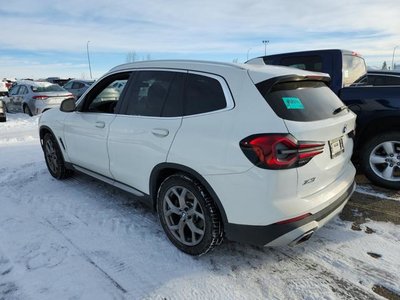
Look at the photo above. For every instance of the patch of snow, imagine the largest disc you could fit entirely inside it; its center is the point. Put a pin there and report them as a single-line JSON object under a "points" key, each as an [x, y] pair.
{"points": [[368, 190]]}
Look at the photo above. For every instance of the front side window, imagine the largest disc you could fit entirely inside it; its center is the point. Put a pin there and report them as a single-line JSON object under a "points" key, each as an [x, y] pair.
{"points": [[104, 97], [203, 94], [14, 90]]}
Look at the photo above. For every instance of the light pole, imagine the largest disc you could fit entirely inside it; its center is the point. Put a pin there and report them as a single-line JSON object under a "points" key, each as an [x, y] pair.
{"points": [[265, 42], [248, 53], [88, 58], [394, 50]]}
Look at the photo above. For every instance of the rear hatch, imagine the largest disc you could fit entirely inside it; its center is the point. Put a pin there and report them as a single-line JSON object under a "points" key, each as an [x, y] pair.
{"points": [[313, 115]]}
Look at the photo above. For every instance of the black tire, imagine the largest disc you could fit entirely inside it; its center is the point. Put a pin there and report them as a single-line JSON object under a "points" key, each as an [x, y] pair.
{"points": [[27, 110], [54, 159], [382, 166], [197, 203]]}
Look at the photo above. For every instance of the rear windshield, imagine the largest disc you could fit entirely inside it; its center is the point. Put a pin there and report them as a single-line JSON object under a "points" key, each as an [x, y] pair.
{"points": [[353, 69], [302, 101], [48, 88]]}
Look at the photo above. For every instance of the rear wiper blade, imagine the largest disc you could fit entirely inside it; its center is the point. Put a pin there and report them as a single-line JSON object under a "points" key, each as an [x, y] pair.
{"points": [[340, 109]]}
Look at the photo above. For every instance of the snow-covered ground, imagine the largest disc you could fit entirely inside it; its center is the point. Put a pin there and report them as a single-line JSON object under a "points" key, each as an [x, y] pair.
{"points": [[82, 239]]}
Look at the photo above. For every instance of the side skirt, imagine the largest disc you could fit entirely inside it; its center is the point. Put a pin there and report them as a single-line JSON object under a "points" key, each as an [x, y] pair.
{"points": [[143, 197]]}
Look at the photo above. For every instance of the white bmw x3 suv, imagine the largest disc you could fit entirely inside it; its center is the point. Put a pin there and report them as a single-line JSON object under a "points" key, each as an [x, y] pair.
{"points": [[256, 154]]}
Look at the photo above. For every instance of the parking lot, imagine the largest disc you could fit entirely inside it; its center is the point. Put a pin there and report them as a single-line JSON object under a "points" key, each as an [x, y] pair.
{"points": [[83, 239]]}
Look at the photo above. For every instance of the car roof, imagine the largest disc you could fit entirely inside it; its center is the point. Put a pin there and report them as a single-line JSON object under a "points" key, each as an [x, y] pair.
{"points": [[257, 72], [34, 83], [82, 80]]}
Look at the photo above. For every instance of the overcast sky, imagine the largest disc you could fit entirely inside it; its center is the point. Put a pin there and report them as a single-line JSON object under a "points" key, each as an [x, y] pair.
{"points": [[49, 38]]}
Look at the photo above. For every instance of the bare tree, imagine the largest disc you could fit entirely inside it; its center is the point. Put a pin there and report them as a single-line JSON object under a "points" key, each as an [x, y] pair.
{"points": [[131, 57]]}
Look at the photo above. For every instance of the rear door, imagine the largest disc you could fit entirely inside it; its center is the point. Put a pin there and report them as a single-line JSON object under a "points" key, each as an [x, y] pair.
{"points": [[313, 113], [141, 137]]}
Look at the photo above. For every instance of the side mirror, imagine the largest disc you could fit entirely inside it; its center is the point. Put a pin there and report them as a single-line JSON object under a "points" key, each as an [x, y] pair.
{"points": [[68, 105]]}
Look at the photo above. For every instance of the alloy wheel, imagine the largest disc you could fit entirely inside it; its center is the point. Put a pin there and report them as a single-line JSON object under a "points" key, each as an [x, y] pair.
{"points": [[184, 215], [385, 160], [51, 156]]}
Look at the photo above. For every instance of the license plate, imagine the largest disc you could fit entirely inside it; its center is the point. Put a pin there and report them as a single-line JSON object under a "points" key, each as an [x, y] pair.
{"points": [[336, 146]]}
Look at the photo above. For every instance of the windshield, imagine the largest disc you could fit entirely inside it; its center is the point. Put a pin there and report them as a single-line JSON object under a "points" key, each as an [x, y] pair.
{"points": [[48, 88], [353, 69]]}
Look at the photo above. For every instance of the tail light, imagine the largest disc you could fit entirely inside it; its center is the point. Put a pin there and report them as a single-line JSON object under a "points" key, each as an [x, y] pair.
{"points": [[279, 151], [40, 97]]}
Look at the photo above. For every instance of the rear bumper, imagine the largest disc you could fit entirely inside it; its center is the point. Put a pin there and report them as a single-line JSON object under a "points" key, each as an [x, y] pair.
{"points": [[291, 233], [40, 108]]}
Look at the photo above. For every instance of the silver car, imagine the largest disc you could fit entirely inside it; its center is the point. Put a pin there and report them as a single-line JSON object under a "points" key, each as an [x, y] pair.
{"points": [[35, 97], [78, 87]]}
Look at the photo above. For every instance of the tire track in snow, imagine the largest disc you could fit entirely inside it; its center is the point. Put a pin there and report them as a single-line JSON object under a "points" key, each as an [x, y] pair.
{"points": [[88, 259]]}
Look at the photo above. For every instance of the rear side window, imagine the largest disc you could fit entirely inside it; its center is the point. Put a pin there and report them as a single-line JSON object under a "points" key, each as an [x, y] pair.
{"points": [[300, 100], [149, 93], [203, 94], [383, 80]]}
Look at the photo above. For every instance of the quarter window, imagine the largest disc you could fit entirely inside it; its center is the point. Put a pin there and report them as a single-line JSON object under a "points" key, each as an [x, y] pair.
{"points": [[203, 94]]}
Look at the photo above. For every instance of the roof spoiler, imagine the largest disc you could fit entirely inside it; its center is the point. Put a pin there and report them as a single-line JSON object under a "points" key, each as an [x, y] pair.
{"points": [[268, 84]]}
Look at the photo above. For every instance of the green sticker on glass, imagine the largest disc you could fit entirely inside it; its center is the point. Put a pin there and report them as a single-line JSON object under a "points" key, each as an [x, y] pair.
{"points": [[293, 103]]}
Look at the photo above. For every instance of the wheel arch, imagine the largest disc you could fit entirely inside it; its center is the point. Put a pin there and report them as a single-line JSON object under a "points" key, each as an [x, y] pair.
{"points": [[163, 170], [42, 132], [377, 126]]}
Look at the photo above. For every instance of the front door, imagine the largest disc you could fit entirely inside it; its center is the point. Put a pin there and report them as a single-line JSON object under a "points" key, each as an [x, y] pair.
{"points": [[86, 130]]}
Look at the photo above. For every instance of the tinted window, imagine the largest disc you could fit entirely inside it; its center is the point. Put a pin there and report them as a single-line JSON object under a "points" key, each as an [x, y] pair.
{"points": [[301, 100], [173, 104], [202, 94], [383, 80], [68, 85], [77, 85], [311, 63], [392, 80], [149, 92]]}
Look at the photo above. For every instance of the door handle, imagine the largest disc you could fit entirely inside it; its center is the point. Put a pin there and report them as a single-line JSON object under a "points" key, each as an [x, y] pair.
{"points": [[100, 124], [160, 132]]}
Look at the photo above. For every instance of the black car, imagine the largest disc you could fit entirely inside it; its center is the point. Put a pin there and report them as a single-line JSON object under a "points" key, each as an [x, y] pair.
{"points": [[379, 78]]}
